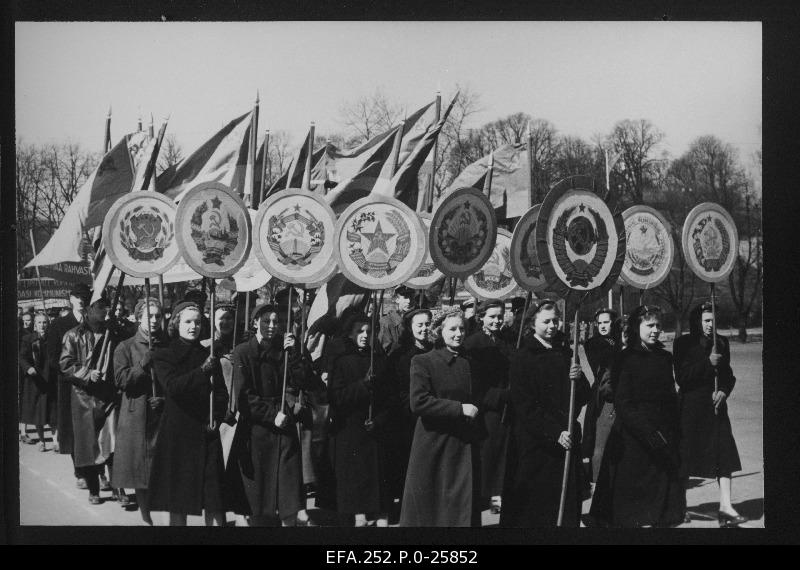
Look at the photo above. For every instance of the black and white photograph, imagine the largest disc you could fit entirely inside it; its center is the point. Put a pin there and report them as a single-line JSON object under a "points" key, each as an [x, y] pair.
{"points": [[412, 274]]}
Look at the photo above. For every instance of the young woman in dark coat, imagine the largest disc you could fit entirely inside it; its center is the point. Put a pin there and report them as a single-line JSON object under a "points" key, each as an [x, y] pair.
{"points": [[271, 461], [188, 474], [361, 400], [601, 349], [707, 446], [490, 352], [541, 374], [640, 468], [443, 482], [139, 411], [38, 393], [414, 340]]}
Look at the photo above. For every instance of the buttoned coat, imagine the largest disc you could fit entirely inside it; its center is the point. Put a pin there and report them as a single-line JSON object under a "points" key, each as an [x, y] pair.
{"points": [[443, 481], [39, 390], [63, 408]]}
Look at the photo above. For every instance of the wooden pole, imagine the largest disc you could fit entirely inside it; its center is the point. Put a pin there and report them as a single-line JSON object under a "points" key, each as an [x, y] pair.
{"points": [[528, 299], [641, 297], [532, 197], [107, 337], [246, 309], [714, 339], [39, 278], [621, 300], [286, 352], [161, 298], [149, 330], [308, 165], [611, 298], [487, 182], [213, 294], [372, 335], [428, 204], [568, 455], [264, 169]]}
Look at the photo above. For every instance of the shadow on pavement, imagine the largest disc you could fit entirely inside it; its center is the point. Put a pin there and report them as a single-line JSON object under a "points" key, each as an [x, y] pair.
{"points": [[753, 509]]}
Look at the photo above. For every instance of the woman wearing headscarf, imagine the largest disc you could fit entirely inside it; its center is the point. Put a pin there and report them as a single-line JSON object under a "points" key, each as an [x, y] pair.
{"points": [[443, 482], [414, 340], [188, 474], [270, 458], [140, 409], [640, 466], [708, 449], [541, 375], [38, 394], [490, 352]]}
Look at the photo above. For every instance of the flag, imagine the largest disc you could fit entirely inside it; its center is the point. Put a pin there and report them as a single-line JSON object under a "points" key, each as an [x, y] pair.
{"points": [[222, 158], [112, 178], [404, 184], [510, 179], [334, 297], [297, 168]]}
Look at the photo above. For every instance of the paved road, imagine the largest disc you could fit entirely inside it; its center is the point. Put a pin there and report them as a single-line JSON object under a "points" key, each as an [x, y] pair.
{"points": [[48, 495]]}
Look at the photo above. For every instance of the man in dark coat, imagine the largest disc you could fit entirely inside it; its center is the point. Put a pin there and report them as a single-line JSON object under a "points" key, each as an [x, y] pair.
{"points": [[140, 408], [79, 298], [490, 353], [87, 367], [391, 324], [707, 446], [270, 458]]}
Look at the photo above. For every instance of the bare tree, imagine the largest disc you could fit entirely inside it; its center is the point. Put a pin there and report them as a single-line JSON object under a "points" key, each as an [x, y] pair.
{"points": [[369, 116], [745, 279], [717, 175], [171, 153], [636, 142], [455, 140]]}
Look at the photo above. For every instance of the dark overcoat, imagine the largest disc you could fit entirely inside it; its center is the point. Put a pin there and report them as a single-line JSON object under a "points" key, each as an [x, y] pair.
{"points": [[600, 353], [540, 392], [640, 471], [490, 365], [400, 428], [391, 330], [269, 457], [137, 422], [707, 445], [38, 390], [358, 456], [188, 473], [92, 402], [443, 481], [55, 338]]}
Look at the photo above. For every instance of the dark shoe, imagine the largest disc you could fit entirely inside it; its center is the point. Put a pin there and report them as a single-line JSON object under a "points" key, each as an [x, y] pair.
{"points": [[104, 484], [42, 447], [730, 521], [56, 448], [26, 439], [95, 499], [124, 500], [80, 483]]}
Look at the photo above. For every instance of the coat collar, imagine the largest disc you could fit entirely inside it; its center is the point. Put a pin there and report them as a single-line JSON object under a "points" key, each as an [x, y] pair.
{"points": [[639, 347], [448, 357]]}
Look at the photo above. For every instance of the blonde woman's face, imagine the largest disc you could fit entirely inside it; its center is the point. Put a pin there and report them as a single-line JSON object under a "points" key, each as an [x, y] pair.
{"points": [[189, 324], [453, 332], [545, 324]]}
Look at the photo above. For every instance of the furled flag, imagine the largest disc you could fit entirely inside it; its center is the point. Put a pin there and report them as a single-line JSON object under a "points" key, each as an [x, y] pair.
{"points": [[222, 158], [112, 178], [296, 170], [510, 179]]}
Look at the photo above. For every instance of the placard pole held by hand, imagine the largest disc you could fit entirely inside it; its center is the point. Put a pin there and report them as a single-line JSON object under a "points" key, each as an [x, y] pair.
{"points": [[714, 340], [212, 286], [568, 455], [286, 352], [149, 331], [528, 299], [114, 303]]}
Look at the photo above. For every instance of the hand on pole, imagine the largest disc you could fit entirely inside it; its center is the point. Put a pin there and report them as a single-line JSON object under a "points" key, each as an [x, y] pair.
{"points": [[718, 397], [565, 440], [575, 371], [95, 376], [288, 341], [281, 420], [210, 364], [469, 410], [714, 358]]}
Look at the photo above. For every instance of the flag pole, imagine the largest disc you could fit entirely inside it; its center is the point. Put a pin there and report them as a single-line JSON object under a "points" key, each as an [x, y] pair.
{"points": [[107, 140], [714, 339], [39, 277], [286, 352], [428, 206], [531, 198], [309, 152], [568, 455], [487, 182], [264, 169], [249, 177], [213, 294]]}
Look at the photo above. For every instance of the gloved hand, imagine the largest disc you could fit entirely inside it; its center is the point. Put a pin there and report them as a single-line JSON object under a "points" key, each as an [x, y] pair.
{"points": [[156, 403], [714, 359], [210, 365], [369, 425]]}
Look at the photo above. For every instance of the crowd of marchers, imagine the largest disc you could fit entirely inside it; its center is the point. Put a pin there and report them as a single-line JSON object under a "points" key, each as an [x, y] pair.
{"points": [[431, 418]]}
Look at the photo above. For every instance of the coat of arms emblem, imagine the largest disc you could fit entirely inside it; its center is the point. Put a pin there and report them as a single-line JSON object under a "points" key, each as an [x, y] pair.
{"points": [[295, 236], [711, 243], [145, 232], [214, 230], [496, 274], [580, 244], [387, 244], [645, 247], [463, 233]]}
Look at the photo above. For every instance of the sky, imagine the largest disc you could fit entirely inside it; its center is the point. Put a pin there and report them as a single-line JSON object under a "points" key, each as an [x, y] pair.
{"points": [[688, 78]]}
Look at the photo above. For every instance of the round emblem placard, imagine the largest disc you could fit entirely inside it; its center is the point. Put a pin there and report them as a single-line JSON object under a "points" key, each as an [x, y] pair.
{"points": [[463, 232], [649, 249], [580, 243], [379, 242], [494, 280], [293, 236], [139, 234], [427, 274], [213, 229], [710, 242], [524, 260]]}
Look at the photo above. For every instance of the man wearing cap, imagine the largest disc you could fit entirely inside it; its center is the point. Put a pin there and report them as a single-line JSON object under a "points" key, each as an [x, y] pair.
{"points": [[391, 324], [87, 367], [490, 354], [78, 299]]}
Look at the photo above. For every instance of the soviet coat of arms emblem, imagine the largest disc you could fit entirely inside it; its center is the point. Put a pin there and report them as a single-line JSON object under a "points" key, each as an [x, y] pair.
{"points": [[295, 236], [377, 260], [215, 231], [711, 243], [145, 232]]}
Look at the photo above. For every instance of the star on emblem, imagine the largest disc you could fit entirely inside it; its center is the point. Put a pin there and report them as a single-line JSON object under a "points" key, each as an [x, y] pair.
{"points": [[466, 204], [581, 207], [377, 239], [643, 229], [216, 202], [297, 207]]}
